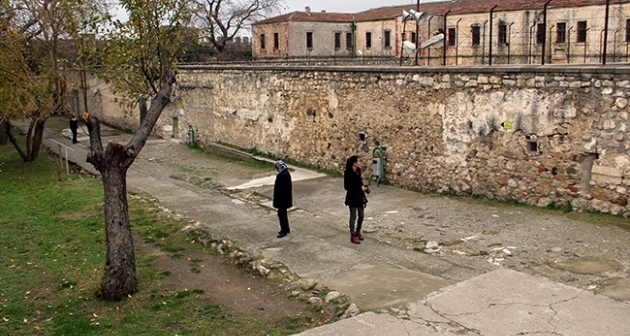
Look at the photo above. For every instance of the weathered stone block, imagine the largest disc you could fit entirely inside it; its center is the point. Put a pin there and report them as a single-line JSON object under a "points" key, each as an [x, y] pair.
{"points": [[605, 174]]}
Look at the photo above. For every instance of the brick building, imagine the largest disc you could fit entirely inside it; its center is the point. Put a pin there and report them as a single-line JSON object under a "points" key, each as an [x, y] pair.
{"points": [[476, 32]]}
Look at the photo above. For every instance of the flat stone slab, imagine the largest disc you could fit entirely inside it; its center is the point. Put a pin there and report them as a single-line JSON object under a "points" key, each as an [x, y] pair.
{"points": [[373, 287], [501, 302], [505, 302]]}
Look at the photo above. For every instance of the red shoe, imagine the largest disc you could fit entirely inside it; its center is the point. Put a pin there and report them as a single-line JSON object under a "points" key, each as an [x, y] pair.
{"points": [[359, 235], [354, 239]]}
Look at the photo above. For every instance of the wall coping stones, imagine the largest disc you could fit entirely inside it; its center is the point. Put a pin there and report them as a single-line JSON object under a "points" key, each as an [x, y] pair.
{"points": [[533, 69]]}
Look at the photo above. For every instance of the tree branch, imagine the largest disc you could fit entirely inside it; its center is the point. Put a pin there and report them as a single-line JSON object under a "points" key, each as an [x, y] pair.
{"points": [[157, 105]]}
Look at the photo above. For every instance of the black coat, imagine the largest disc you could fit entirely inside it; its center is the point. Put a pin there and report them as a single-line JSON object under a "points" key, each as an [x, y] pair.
{"points": [[352, 183], [282, 191], [74, 123]]}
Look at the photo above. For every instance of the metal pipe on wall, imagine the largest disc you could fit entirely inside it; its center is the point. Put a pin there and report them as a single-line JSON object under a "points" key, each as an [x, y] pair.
{"points": [[606, 31], [529, 49], [569, 45], [428, 37], [402, 43], [417, 36], [483, 45], [509, 41], [550, 34], [585, 43], [615, 44], [445, 42], [544, 42], [490, 44], [457, 41]]}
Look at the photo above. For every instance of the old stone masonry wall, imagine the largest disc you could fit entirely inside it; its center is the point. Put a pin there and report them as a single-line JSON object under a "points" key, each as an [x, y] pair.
{"points": [[538, 135]]}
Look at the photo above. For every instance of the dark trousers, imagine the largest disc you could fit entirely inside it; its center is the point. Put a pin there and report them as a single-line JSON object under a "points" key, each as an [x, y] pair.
{"points": [[284, 220], [74, 135], [353, 216]]}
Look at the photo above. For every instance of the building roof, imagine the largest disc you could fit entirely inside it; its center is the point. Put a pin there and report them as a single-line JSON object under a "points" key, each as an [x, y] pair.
{"points": [[435, 8]]}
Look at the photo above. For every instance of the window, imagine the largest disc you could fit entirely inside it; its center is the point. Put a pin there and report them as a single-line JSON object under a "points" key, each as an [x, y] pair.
{"points": [[387, 39], [476, 35], [309, 40], [262, 41], [540, 33], [413, 37], [348, 41], [581, 32], [502, 34], [368, 40], [561, 32], [451, 36], [628, 30], [337, 41], [276, 41]]}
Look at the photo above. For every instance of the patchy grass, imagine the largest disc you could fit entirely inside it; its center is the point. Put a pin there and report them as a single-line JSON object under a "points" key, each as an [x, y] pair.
{"points": [[256, 152], [600, 219], [53, 257], [567, 210]]}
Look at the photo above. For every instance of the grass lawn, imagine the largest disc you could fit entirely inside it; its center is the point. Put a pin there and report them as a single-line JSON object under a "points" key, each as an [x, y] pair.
{"points": [[53, 257]]}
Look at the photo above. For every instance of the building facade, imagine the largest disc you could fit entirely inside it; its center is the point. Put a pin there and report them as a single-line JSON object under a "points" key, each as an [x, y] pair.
{"points": [[475, 32]]}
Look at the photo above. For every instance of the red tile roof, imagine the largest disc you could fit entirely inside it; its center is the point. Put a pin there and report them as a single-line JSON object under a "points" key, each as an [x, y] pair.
{"points": [[455, 6], [313, 16]]}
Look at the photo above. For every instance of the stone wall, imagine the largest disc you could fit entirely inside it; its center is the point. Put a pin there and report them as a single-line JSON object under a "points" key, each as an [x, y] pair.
{"points": [[537, 135]]}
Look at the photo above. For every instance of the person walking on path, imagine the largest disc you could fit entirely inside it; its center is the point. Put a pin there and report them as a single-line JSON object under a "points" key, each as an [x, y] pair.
{"points": [[355, 196], [283, 197], [74, 125]]}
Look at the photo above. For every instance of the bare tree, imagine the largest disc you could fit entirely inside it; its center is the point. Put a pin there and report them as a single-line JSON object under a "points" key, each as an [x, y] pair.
{"points": [[139, 61], [31, 67], [219, 21]]}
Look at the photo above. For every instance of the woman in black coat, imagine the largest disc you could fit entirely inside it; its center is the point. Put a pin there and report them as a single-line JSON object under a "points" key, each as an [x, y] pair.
{"points": [[355, 196], [282, 196]]}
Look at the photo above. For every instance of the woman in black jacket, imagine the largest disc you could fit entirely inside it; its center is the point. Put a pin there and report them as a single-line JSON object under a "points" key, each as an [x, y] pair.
{"points": [[355, 196], [283, 196]]}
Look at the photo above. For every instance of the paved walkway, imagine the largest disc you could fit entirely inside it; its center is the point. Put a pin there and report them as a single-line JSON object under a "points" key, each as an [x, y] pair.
{"points": [[430, 295]]}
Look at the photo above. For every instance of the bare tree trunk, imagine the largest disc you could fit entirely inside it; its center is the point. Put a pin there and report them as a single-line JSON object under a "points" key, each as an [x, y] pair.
{"points": [[120, 268], [38, 135], [3, 132], [15, 143]]}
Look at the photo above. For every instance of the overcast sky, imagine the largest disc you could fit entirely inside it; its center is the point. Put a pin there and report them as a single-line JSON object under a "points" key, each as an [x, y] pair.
{"points": [[343, 6]]}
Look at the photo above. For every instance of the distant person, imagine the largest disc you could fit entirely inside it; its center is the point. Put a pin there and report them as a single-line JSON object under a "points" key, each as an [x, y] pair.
{"points": [[283, 197], [74, 125], [355, 196]]}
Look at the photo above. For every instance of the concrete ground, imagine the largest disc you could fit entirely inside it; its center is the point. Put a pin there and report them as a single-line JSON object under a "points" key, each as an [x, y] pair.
{"points": [[429, 265]]}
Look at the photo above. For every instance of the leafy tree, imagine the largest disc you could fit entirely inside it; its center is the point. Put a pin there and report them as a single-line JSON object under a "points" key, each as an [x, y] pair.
{"points": [[139, 62], [219, 21], [32, 81]]}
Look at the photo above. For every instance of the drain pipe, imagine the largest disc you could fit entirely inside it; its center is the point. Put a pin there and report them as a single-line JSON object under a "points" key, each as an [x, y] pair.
{"points": [[428, 37], [457, 41], [509, 41], [483, 45], [417, 34], [529, 52], [444, 42], [606, 32], [490, 45], [542, 61], [615, 45], [569, 45]]}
